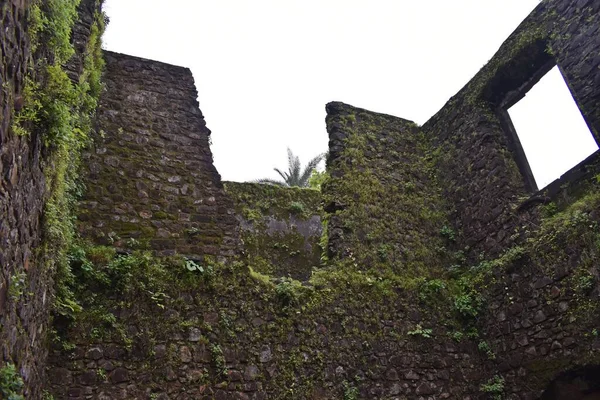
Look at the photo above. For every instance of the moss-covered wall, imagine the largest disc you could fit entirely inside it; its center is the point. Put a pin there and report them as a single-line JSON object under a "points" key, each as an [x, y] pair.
{"points": [[21, 205], [540, 291], [375, 320], [43, 99], [281, 227], [385, 205], [150, 178], [366, 323], [483, 172], [442, 278], [153, 329], [543, 311]]}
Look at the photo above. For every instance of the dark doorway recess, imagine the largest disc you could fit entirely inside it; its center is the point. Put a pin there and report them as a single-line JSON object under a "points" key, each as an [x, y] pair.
{"points": [[579, 384]]}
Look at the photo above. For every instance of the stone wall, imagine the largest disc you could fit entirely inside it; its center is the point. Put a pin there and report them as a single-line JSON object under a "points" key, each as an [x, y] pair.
{"points": [[484, 171], [531, 266], [150, 176], [542, 306], [543, 311], [26, 282], [385, 206], [281, 227], [365, 325], [441, 281], [232, 335], [23, 285]]}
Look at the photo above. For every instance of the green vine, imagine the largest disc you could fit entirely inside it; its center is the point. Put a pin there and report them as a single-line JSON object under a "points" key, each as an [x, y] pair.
{"points": [[60, 110]]}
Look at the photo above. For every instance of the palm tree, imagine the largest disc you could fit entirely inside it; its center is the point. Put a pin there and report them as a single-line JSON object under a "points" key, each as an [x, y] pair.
{"points": [[295, 176]]}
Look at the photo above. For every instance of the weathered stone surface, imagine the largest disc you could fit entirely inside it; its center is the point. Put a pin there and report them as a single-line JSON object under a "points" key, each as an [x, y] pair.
{"points": [[412, 375], [155, 150], [88, 378], [26, 284], [195, 335], [119, 375], [266, 355], [185, 355], [459, 172], [94, 353], [281, 225], [251, 372], [425, 388], [539, 317]]}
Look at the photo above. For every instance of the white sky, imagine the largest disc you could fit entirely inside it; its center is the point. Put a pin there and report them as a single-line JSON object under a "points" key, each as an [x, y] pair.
{"points": [[551, 129], [265, 69]]}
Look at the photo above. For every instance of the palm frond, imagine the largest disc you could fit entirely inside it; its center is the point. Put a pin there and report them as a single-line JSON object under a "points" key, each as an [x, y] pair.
{"points": [[284, 175], [270, 182], [295, 176], [312, 164], [294, 168]]}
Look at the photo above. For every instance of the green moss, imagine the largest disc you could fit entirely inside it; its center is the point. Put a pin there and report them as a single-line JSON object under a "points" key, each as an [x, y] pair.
{"points": [[160, 215], [575, 228], [544, 370], [126, 227], [218, 359], [297, 208], [289, 292], [147, 231], [252, 215], [280, 251], [516, 45], [387, 201], [61, 112], [254, 200], [262, 278], [145, 287]]}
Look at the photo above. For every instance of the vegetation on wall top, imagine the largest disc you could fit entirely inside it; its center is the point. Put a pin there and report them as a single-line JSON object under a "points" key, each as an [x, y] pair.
{"points": [[295, 175]]}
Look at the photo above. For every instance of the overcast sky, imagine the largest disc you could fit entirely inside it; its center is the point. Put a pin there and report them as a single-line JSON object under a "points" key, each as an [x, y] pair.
{"points": [[265, 69]]}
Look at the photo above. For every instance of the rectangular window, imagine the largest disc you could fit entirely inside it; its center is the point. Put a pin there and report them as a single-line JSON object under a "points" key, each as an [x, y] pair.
{"points": [[551, 130]]}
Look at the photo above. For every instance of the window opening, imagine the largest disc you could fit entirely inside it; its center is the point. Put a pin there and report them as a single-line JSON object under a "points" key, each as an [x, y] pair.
{"points": [[552, 132]]}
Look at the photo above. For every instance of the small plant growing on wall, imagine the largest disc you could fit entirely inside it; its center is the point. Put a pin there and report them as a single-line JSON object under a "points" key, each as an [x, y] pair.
{"points": [[17, 285], [468, 304], [193, 231], [11, 383], [494, 387], [218, 359], [101, 374], [296, 208], [287, 292], [448, 233], [457, 336], [431, 289], [207, 272], [350, 391], [47, 396], [484, 347], [420, 331], [585, 283], [317, 179]]}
